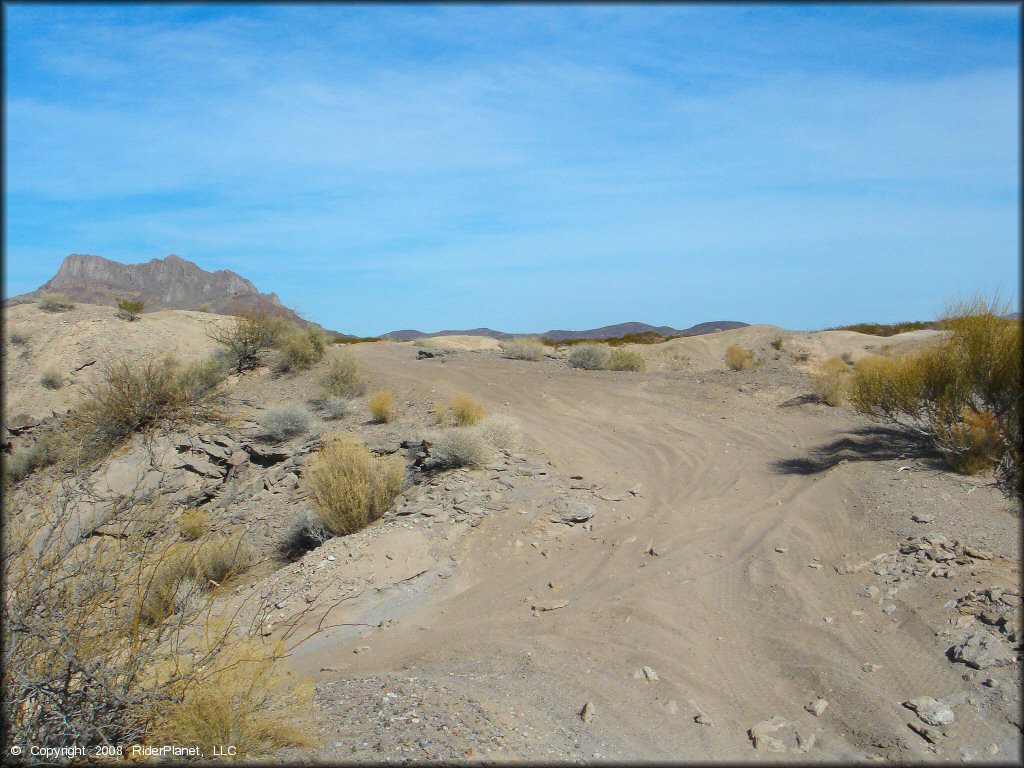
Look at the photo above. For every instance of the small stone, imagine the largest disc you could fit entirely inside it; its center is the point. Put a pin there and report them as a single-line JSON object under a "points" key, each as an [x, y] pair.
{"points": [[760, 730], [931, 711], [978, 554], [650, 674], [361, 649], [781, 550], [889, 610], [871, 667], [992, 749], [816, 707], [928, 734], [672, 707], [804, 743], [870, 592], [701, 718], [982, 650], [587, 713], [920, 517]]}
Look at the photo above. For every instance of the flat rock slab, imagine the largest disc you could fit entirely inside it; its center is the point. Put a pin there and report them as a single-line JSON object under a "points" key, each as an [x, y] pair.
{"points": [[982, 650]]}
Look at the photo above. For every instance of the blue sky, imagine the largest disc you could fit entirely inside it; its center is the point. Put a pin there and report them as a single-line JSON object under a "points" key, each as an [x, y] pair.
{"points": [[526, 167]]}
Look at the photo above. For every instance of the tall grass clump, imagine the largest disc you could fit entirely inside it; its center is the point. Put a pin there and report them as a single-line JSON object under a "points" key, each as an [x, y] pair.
{"points": [[135, 395], [625, 360], [738, 358], [523, 349], [381, 405], [129, 310], [831, 379], [589, 357], [342, 378], [55, 302], [350, 487], [962, 393], [466, 411], [284, 421], [193, 524]]}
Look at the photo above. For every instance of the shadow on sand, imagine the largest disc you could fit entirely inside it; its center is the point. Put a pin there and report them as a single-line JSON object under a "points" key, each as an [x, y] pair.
{"points": [[872, 443]]}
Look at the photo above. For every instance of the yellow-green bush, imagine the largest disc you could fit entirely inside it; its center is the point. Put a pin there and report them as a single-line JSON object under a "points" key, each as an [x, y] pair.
{"points": [[129, 310], [342, 378], [957, 392], [51, 379], [737, 358], [466, 411], [830, 380], [193, 523], [625, 360], [55, 302], [381, 405], [350, 487], [439, 413], [298, 348]]}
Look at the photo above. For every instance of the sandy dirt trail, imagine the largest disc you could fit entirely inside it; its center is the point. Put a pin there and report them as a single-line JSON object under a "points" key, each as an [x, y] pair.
{"points": [[730, 625]]}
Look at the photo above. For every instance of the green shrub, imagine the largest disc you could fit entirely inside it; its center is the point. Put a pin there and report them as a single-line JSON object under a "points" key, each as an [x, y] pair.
{"points": [[129, 310], [284, 421], [55, 302], [523, 349], [133, 396], [342, 378], [958, 392], [299, 349], [350, 487], [625, 360], [247, 338], [737, 358], [589, 357]]}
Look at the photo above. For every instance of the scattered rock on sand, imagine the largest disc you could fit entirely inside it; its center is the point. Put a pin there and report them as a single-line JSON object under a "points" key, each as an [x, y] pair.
{"points": [[930, 711], [760, 734], [982, 650], [587, 713], [650, 674], [816, 707]]}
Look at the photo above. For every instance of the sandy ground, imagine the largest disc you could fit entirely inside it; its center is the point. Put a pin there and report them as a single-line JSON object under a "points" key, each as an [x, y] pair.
{"points": [[727, 509]]}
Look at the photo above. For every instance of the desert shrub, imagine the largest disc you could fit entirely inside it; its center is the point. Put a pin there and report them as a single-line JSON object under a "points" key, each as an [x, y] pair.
{"points": [[501, 431], [847, 358], [132, 396], [284, 421], [460, 447], [335, 407], [350, 487], [590, 357], [342, 377], [42, 452], [129, 310], [204, 307], [523, 349], [466, 411], [87, 663], [203, 376], [218, 558], [440, 413], [957, 392], [193, 523], [306, 532], [381, 405], [737, 358], [51, 379], [777, 342], [830, 380], [625, 360], [299, 349], [247, 338], [55, 302], [19, 338]]}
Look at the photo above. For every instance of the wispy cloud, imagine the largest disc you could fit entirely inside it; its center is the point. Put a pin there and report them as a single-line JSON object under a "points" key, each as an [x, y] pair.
{"points": [[391, 156]]}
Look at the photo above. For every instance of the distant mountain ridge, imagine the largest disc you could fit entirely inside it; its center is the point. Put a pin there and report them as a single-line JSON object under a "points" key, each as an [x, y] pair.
{"points": [[604, 332], [168, 283]]}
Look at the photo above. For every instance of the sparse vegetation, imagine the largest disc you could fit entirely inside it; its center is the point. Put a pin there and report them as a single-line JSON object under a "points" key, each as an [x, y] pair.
{"points": [[381, 405], [129, 310], [625, 360], [523, 349], [133, 396], [355, 339], [335, 407], [305, 533], [342, 377], [55, 302], [298, 348], [19, 338], [466, 411], [51, 379], [439, 413], [284, 421], [738, 358], [247, 338], [193, 524], [460, 447], [963, 393], [501, 431], [889, 329], [831, 380], [777, 343], [350, 487], [589, 357], [42, 452], [204, 307]]}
